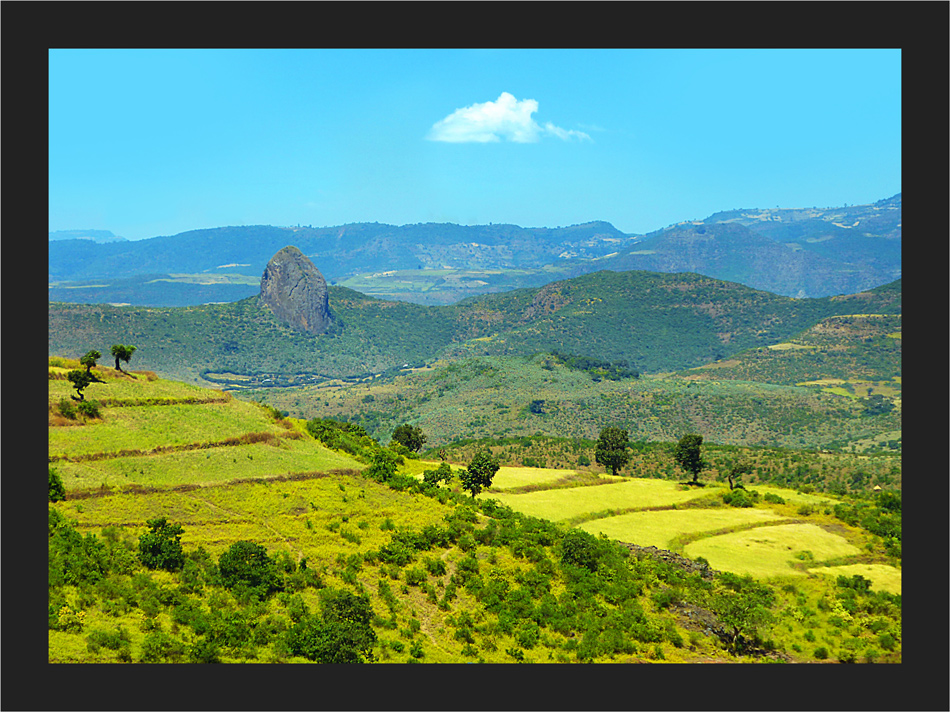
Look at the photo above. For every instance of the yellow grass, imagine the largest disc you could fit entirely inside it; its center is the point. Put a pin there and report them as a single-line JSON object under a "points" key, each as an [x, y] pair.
{"points": [[562, 504], [210, 465], [510, 477], [769, 551], [882, 577], [660, 528], [793, 497]]}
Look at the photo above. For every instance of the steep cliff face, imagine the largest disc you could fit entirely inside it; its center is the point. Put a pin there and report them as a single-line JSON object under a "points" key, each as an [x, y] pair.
{"points": [[293, 288]]}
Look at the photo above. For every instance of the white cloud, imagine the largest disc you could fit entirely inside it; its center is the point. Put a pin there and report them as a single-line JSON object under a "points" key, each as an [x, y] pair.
{"points": [[506, 119]]}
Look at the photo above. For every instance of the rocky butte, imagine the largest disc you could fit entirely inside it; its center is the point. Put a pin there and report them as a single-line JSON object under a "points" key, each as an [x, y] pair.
{"points": [[295, 291]]}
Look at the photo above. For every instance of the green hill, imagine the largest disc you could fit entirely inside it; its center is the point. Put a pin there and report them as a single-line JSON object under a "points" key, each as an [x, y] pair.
{"points": [[655, 322], [197, 528]]}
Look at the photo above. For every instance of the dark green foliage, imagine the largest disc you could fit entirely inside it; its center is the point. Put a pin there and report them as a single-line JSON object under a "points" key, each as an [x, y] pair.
{"points": [[348, 437], [73, 558], [57, 492], [383, 467], [342, 633], [113, 640], [443, 473], [159, 647], [247, 565], [160, 547], [877, 405], [740, 497], [597, 368], [89, 360], [688, 456], [89, 409], [81, 380], [579, 548], [410, 436], [743, 605], [121, 352], [479, 473], [612, 449], [67, 409]]}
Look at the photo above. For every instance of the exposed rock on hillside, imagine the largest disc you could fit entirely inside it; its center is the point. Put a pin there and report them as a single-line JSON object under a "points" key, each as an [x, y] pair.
{"points": [[293, 288]]}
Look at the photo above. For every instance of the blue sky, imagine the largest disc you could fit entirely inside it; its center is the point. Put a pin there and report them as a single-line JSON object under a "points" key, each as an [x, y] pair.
{"points": [[156, 142]]}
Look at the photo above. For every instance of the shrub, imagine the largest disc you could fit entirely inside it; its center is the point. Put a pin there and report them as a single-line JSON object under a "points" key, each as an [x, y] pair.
{"points": [[89, 409], [159, 647], [579, 548], [246, 564], [415, 576], [67, 409], [821, 653], [57, 492], [435, 566], [773, 498], [737, 498], [160, 547]]}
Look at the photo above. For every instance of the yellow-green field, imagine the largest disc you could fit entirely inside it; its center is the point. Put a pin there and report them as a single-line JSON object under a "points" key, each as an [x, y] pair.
{"points": [[660, 528], [882, 577], [148, 427], [566, 504], [220, 464], [272, 513], [766, 552], [513, 477]]}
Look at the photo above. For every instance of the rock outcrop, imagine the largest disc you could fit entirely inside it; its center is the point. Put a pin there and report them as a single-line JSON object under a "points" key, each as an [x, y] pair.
{"points": [[295, 291]]}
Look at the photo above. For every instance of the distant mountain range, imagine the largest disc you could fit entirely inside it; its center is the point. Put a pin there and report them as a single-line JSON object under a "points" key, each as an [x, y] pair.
{"points": [[806, 252], [99, 236]]}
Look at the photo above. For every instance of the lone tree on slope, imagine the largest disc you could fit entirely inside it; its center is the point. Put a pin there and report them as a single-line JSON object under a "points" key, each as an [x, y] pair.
{"points": [[89, 360], [122, 353], [611, 449], [411, 436], [479, 473], [688, 456], [80, 381]]}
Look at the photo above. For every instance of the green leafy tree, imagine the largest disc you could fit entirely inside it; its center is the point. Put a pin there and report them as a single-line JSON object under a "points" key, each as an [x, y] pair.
{"points": [[341, 634], [736, 471], [443, 473], [122, 353], [160, 546], [81, 381], [247, 564], [89, 360], [411, 436], [612, 450], [743, 605], [479, 473], [688, 456], [57, 492], [384, 465]]}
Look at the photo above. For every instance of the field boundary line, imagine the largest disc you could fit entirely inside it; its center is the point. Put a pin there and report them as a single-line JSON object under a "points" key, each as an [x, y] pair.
{"points": [[136, 489]]}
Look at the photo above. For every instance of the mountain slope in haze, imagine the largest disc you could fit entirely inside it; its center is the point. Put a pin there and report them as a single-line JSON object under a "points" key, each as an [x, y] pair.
{"points": [[807, 252], [737, 253], [655, 322], [336, 251]]}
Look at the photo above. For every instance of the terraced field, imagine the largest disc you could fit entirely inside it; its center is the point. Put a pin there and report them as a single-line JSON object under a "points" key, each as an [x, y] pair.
{"points": [[229, 471], [769, 540]]}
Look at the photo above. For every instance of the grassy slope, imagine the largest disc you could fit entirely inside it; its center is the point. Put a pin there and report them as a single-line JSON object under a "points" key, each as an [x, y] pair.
{"points": [[325, 518], [657, 322], [491, 396]]}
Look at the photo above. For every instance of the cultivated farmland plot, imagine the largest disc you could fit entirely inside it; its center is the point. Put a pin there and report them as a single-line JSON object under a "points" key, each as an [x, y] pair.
{"points": [[661, 528], [764, 552], [205, 466], [569, 504]]}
